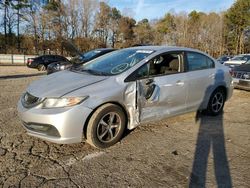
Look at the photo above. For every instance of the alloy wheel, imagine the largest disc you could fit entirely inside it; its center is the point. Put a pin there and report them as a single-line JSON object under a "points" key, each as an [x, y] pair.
{"points": [[217, 102], [108, 127]]}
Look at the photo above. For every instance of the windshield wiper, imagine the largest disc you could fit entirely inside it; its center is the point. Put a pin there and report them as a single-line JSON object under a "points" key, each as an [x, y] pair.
{"points": [[80, 69], [94, 72]]}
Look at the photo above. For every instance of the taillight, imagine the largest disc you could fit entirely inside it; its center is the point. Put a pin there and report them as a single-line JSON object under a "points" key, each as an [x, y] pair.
{"points": [[29, 61]]}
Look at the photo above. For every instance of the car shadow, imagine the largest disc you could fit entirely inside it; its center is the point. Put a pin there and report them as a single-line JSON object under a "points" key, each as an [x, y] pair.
{"points": [[210, 138], [20, 76], [126, 133]]}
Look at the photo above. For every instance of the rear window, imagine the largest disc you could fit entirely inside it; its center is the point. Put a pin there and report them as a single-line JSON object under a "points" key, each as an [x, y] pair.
{"points": [[240, 58], [198, 61]]}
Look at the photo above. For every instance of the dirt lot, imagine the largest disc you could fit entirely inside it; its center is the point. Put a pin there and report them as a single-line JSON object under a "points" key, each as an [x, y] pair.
{"points": [[214, 151]]}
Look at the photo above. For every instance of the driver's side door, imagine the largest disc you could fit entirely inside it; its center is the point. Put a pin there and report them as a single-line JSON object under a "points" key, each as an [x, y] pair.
{"points": [[161, 87]]}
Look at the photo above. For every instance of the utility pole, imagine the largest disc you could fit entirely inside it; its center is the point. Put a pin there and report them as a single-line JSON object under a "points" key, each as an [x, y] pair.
{"points": [[5, 26], [18, 25]]}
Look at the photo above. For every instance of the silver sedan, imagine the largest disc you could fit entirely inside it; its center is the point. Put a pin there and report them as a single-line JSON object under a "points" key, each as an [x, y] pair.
{"points": [[122, 90]]}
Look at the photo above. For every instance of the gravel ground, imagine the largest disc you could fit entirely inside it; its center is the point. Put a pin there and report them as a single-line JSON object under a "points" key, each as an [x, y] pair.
{"points": [[16, 70], [177, 152]]}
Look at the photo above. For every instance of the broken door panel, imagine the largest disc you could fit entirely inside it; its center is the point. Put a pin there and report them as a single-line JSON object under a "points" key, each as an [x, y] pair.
{"points": [[130, 98], [163, 96]]}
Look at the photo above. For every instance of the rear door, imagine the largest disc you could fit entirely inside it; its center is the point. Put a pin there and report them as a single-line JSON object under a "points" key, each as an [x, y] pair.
{"points": [[200, 79]]}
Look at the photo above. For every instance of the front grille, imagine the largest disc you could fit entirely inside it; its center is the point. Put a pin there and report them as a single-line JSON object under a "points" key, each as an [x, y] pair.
{"points": [[241, 75], [29, 100]]}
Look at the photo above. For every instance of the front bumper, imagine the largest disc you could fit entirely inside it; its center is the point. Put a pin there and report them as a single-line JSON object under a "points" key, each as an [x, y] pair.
{"points": [[242, 84], [58, 125]]}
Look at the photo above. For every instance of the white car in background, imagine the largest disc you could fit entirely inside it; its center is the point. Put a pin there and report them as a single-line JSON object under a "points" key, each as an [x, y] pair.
{"points": [[237, 60]]}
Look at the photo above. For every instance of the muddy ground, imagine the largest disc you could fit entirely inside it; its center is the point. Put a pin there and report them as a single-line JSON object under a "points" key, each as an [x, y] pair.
{"points": [[214, 151]]}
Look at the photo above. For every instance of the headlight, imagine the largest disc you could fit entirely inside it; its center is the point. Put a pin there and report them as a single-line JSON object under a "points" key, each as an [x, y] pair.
{"points": [[246, 76], [62, 102], [62, 67], [57, 67]]}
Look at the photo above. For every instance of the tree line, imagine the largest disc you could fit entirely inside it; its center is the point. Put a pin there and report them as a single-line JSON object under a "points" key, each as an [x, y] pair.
{"points": [[32, 27]]}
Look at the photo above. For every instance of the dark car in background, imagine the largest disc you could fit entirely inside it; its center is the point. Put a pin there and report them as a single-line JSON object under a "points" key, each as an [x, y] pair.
{"points": [[241, 76], [224, 58], [41, 63], [78, 60]]}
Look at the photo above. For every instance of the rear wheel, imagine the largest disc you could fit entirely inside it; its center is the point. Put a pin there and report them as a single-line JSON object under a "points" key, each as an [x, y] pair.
{"points": [[216, 102], [41, 67], [106, 126]]}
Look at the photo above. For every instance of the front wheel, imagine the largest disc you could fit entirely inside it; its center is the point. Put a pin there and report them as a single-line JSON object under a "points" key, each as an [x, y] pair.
{"points": [[106, 126], [216, 102], [41, 67]]}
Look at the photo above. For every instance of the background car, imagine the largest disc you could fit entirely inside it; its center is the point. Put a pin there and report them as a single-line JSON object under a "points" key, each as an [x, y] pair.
{"points": [[121, 90], [241, 76], [224, 58], [237, 60], [41, 63], [78, 60]]}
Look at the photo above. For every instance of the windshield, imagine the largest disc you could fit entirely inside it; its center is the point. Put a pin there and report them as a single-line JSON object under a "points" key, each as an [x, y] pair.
{"points": [[77, 59], [85, 57], [241, 58], [90, 54], [223, 58], [248, 62], [115, 62]]}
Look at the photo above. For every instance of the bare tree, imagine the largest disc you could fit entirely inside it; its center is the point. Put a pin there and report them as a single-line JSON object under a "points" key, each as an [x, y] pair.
{"points": [[32, 19], [89, 9], [102, 24]]}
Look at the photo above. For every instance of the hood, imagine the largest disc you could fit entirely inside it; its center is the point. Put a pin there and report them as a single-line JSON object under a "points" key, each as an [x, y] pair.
{"points": [[61, 83], [244, 67]]}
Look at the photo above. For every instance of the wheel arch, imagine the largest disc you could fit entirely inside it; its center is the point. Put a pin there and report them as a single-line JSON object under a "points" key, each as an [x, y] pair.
{"points": [[109, 102], [222, 87]]}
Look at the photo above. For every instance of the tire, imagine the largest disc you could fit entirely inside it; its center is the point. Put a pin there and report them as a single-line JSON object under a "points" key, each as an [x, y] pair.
{"points": [[106, 126], [216, 102], [41, 67]]}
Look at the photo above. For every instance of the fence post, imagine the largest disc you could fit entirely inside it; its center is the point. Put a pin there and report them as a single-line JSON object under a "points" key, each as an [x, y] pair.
{"points": [[12, 59]]}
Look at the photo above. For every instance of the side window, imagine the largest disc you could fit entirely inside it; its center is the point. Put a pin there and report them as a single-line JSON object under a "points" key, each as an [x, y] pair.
{"points": [[141, 72], [61, 58], [198, 61], [246, 58], [52, 58], [47, 58], [210, 63], [165, 64]]}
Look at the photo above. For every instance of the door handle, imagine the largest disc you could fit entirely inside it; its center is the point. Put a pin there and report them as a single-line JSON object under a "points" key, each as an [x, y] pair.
{"points": [[179, 83], [212, 76]]}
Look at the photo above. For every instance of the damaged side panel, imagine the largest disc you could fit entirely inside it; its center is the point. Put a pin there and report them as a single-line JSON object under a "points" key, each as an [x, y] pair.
{"points": [[148, 100], [130, 95], [161, 97], [140, 100]]}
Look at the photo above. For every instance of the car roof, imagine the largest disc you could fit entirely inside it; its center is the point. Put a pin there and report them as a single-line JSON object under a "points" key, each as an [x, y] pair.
{"points": [[103, 49], [50, 55], [166, 48], [242, 55]]}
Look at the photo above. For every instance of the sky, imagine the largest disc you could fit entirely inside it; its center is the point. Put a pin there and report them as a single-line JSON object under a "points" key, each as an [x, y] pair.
{"points": [[154, 9]]}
